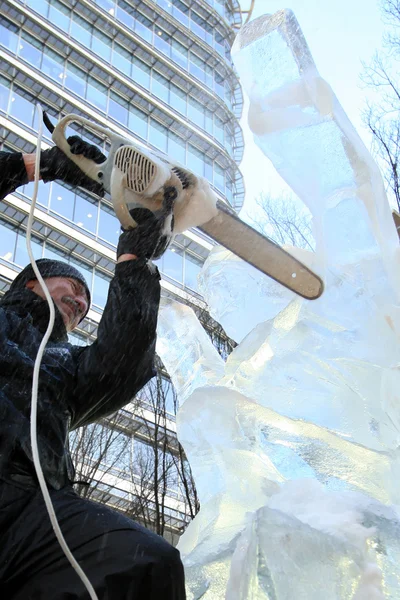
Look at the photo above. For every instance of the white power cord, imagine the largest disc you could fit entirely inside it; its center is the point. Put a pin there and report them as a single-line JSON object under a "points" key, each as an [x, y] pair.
{"points": [[35, 382]]}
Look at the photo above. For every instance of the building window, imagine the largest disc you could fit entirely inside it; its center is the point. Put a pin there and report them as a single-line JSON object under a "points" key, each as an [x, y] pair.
{"points": [[30, 49], [97, 93], [178, 99], [118, 108], [81, 30], [172, 264], [62, 200], [160, 86], [59, 15], [21, 251], [101, 45], [101, 283], [8, 239], [141, 73], [138, 122], [4, 92], [8, 35], [75, 80], [158, 135], [176, 148], [85, 214], [109, 227], [195, 160], [193, 267], [22, 108]]}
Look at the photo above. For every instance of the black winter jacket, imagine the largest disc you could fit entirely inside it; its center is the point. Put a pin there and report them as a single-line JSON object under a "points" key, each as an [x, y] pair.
{"points": [[77, 385]]}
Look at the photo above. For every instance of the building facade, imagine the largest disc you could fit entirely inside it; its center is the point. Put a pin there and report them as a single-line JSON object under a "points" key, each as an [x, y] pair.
{"points": [[158, 72]]}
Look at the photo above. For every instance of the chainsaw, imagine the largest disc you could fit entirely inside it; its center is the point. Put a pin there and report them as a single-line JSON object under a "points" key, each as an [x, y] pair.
{"points": [[136, 176]]}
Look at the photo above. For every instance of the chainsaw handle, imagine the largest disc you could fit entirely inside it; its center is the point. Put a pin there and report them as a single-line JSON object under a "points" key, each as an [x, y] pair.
{"points": [[101, 173]]}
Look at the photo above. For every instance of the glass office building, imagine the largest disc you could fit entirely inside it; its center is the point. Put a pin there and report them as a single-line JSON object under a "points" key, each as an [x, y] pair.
{"points": [[158, 71]]}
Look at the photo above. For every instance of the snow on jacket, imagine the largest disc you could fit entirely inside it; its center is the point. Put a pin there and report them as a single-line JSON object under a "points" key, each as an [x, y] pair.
{"points": [[77, 385]]}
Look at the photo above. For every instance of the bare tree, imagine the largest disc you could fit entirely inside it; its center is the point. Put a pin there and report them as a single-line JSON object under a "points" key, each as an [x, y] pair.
{"points": [[285, 221], [96, 450], [160, 471], [382, 116]]}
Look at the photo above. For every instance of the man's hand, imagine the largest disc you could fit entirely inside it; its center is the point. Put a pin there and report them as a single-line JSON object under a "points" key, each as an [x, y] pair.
{"points": [[153, 234], [54, 164]]}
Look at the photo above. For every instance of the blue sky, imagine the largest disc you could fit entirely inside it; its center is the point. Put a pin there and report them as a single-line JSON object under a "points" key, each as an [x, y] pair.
{"points": [[341, 34]]}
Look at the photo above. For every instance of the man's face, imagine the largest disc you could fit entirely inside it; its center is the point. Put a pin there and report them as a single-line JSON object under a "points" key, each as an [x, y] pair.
{"points": [[69, 296]]}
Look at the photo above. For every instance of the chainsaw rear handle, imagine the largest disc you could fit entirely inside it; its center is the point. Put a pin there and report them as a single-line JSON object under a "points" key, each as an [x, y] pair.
{"points": [[101, 173]]}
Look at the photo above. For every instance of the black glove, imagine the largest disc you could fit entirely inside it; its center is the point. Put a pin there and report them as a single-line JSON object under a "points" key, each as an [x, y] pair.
{"points": [[153, 234], [54, 164]]}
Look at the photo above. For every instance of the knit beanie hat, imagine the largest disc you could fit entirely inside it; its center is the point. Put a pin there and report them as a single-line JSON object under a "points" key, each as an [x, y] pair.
{"points": [[50, 268]]}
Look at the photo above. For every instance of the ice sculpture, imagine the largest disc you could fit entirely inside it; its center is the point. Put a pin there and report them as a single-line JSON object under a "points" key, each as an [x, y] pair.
{"points": [[294, 442]]}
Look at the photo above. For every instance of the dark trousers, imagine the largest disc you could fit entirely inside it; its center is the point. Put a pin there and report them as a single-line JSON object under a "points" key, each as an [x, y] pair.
{"points": [[122, 559]]}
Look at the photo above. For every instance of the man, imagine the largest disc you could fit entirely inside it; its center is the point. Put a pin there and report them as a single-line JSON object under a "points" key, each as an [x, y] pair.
{"points": [[77, 385]]}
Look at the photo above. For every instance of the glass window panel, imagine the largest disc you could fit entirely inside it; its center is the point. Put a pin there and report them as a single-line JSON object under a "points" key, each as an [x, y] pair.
{"points": [[43, 192], [219, 87], [85, 214], [59, 15], [180, 15], [172, 264], [192, 268], [96, 93], [30, 50], [219, 178], [208, 169], [176, 148], [138, 122], [168, 396], [101, 283], [81, 30], [62, 200], [143, 459], [40, 6], [108, 5], [179, 53], [125, 17], [77, 340], [109, 226], [4, 93], [162, 41], [144, 28], [121, 60], [196, 112], [53, 65], [158, 135], [21, 252], [196, 67], [209, 76], [165, 4], [160, 86], [22, 108], [8, 35], [219, 130], [8, 238], [195, 160], [75, 80], [118, 108], [209, 121], [140, 73], [101, 45], [178, 99], [54, 253]]}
